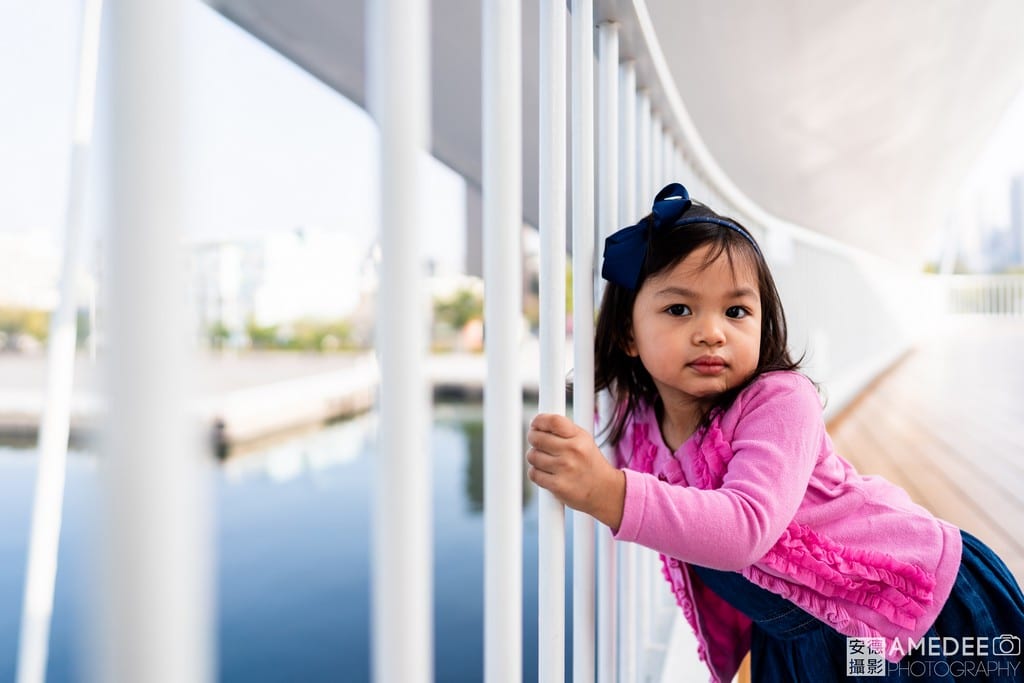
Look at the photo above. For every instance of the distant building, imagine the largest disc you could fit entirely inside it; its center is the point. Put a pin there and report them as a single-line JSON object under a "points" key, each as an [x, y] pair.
{"points": [[275, 279], [224, 279], [30, 264], [1000, 251], [1001, 240], [29, 271]]}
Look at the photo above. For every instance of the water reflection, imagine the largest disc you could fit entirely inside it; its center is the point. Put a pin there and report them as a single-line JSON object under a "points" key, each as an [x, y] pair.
{"points": [[293, 534], [289, 455], [472, 427]]}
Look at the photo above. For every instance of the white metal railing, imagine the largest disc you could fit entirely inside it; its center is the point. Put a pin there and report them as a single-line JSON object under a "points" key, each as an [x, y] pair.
{"points": [[503, 201], [48, 503], [155, 604], [607, 223], [551, 399], [628, 553], [990, 295], [402, 534], [584, 528]]}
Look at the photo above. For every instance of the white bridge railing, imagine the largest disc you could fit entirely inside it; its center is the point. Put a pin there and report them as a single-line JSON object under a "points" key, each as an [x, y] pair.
{"points": [[997, 295]]}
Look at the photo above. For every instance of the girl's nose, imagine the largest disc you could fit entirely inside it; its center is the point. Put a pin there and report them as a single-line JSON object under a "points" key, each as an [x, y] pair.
{"points": [[709, 332]]}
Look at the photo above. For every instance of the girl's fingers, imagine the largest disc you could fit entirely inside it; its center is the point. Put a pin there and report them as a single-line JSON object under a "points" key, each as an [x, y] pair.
{"points": [[543, 441], [553, 443], [541, 460], [559, 425], [541, 478]]}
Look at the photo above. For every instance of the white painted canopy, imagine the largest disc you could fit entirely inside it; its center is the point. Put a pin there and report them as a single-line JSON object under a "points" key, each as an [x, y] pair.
{"points": [[854, 119]]}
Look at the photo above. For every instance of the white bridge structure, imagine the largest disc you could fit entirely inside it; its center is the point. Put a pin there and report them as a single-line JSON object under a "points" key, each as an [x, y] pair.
{"points": [[838, 132]]}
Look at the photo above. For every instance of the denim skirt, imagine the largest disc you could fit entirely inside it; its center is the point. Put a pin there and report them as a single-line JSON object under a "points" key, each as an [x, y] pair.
{"points": [[976, 636]]}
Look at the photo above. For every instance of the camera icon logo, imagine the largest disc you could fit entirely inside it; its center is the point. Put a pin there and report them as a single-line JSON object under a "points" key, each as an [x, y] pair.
{"points": [[1006, 645]]}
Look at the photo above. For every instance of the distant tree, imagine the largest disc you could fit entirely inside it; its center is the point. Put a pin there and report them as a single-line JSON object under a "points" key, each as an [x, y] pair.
{"points": [[33, 322], [262, 336], [463, 306], [218, 334], [82, 328], [321, 335]]}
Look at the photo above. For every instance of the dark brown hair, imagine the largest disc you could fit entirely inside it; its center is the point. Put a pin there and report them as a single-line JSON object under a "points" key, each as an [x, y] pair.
{"points": [[625, 376]]}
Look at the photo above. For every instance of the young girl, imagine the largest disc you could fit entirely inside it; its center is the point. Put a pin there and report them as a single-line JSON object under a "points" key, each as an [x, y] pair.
{"points": [[770, 540]]}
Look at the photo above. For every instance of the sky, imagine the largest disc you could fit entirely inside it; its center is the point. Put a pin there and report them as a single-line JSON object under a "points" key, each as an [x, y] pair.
{"points": [[37, 59], [1003, 156], [270, 148], [985, 198]]}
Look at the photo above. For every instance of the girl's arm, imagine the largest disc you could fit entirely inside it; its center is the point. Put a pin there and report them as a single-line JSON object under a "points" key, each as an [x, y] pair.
{"points": [[776, 443]]}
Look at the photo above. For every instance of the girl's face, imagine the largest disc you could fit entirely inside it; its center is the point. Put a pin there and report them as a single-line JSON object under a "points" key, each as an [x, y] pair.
{"points": [[696, 329]]}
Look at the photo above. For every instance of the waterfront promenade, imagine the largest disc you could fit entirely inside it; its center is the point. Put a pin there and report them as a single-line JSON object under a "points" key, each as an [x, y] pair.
{"points": [[245, 396]]}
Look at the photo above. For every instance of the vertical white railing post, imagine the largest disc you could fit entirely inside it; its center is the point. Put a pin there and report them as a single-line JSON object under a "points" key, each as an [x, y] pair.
{"points": [[398, 94], [503, 398], [607, 221], [657, 147], [155, 603], [44, 537], [641, 207], [627, 215], [643, 159], [583, 320], [552, 177], [667, 173], [94, 293], [627, 143], [645, 173], [668, 159]]}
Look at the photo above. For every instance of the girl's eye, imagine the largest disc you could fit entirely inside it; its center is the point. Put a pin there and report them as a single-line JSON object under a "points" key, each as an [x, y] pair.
{"points": [[678, 309], [737, 312]]}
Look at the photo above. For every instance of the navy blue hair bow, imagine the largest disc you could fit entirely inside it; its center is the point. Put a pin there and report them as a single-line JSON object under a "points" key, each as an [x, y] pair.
{"points": [[626, 250]]}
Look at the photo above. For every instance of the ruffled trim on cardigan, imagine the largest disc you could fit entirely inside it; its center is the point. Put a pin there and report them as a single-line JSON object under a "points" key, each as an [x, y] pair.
{"points": [[672, 570], [642, 458], [710, 454], [898, 590], [644, 450]]}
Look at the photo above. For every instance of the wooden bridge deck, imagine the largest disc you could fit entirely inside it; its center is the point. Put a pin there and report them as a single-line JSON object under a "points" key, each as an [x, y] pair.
{"points": [[947, 424]]}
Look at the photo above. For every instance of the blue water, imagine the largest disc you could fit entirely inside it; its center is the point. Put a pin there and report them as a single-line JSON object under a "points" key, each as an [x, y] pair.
{"points": [[293, 544]]}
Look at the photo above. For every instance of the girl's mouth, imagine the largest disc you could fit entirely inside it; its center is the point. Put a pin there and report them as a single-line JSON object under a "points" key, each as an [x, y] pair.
{"points": [[708, 366]]}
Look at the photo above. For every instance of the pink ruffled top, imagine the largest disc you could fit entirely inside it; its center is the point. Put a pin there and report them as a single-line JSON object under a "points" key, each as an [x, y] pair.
{"points": [[763, 492]]}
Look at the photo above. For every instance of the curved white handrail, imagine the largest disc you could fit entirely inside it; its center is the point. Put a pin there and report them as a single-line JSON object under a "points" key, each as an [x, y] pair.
{"points": [[657, 80]]}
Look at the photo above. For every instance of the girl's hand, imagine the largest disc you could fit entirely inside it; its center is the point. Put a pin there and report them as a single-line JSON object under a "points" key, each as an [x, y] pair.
{"points": [[565, 460]]}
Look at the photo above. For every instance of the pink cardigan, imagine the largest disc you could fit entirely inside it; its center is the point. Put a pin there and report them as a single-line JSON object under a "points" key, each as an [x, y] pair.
{"points": [[765, 494]]}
